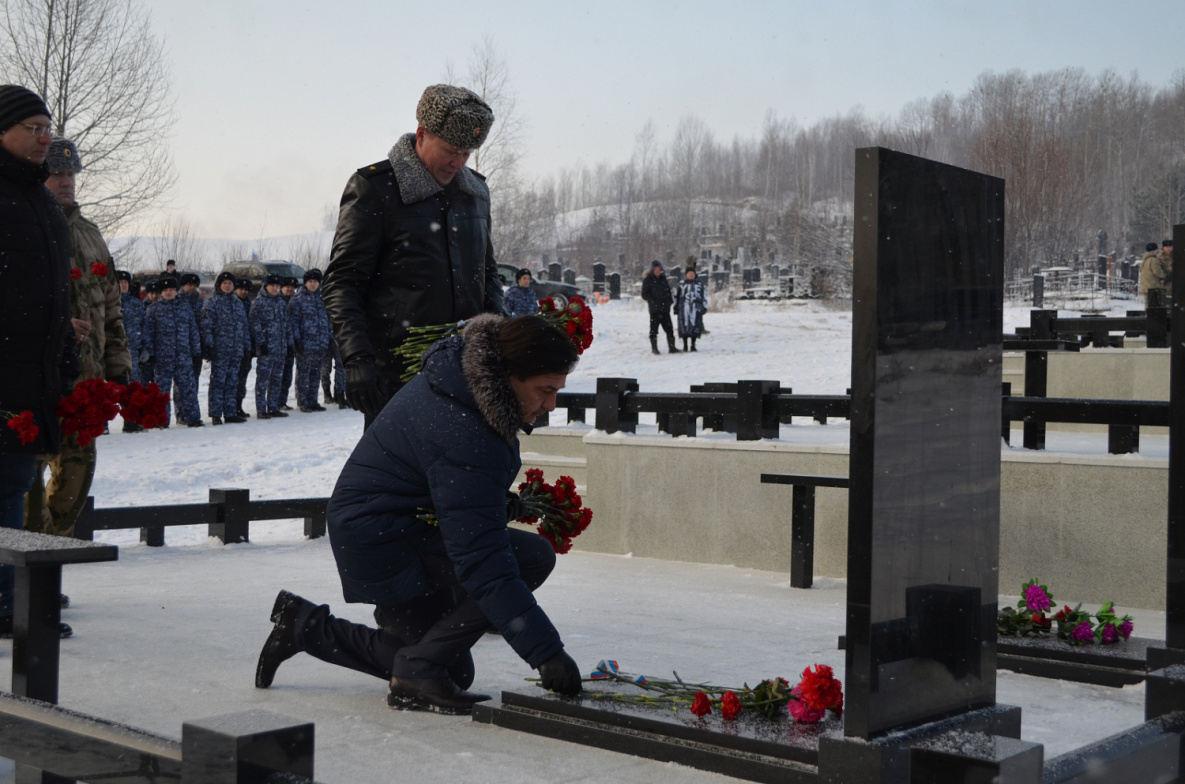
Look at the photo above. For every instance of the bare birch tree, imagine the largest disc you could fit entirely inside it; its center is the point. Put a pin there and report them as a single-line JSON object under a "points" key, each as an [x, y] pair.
{"points": [[102, 73], [488, 75]]}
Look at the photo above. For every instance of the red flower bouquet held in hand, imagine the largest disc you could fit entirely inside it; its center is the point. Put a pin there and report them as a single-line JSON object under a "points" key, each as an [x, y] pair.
{"points": [[574, 320], [807, 702], [86, 411], [557, 509], [26, 429]]}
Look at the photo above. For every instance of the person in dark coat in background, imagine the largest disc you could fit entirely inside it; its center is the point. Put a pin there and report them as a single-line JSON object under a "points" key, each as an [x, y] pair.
{"points": [[171, 335], [310, 337], [691, 303], [38, 357], [520, 298], [412, 246], [287, 291], [225, 338], [271, 334], [447, 442], [657, 293], [243, 288]]}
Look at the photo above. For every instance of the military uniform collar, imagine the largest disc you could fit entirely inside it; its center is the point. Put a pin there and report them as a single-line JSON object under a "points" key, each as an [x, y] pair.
{"points": [[415, 181]]}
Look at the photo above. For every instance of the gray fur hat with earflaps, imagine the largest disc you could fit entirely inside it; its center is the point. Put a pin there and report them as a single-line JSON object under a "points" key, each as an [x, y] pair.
{"points": [[456, 115]]}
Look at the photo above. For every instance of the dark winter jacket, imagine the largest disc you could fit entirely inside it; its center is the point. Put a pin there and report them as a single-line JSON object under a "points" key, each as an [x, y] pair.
{"points": [[657, 293], [271, 326], [447, 442], [521, 301], [224, 327], [38, 359], [310, 325], [171, 333], [408, 252], [133, 321]]}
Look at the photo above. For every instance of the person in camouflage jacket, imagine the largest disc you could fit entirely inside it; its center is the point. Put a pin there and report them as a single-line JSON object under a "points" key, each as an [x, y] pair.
{"points": [[225, 340], [133, 318], [94, 298], [271, 335], [311, 338], [171, 336], [190, 295]]}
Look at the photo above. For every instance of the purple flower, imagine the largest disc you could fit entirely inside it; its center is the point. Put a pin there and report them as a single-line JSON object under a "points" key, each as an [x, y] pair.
{"points": [[1036, 598], [1082, 632], [1125, 629], [1110, 634]]}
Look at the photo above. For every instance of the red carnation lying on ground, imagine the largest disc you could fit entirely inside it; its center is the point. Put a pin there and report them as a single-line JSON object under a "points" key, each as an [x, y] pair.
{"points": [[557, 508], [26, 429], [820, 691], [144, 405]]}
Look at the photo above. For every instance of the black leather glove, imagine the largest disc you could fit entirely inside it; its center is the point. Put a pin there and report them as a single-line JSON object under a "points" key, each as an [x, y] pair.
{"points": [[561, 675], [261, 350], [364, 387], [514, 506], [298, 346]]}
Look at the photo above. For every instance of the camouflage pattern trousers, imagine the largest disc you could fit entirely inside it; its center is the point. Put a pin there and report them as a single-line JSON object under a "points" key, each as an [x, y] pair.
{"points": [[53, 507], [308, 373]]}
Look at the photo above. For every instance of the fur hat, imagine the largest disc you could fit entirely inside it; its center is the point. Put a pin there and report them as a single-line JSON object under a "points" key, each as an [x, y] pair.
{"points": [[272, 279], [18, 104], [123, 275], [244, 284], [1151, 246], [152, 287], [190, 278], [166, 283], [313, 274], [221, 277], [288, 281], [1167, 244], [63, 156], [456, 115], [521, 272]]}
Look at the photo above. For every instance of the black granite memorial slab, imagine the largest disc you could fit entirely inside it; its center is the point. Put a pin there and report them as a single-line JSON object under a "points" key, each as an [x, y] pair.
{"points": [[975, 758], [923, 526], [1121, 664], [1174, 603]]}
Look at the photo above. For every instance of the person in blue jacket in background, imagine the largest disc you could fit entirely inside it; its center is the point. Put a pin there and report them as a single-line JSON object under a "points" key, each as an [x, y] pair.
{"points": [[447, 443], [271, 334], [172, 340], [311, 337], [225, 340]]}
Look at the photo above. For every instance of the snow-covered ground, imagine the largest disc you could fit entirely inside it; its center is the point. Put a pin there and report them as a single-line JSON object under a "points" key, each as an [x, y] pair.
{"points": [[170, 634]]}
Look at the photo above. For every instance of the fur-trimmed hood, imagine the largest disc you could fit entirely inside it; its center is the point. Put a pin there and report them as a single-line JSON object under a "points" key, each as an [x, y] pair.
{"points": [[486, 384], [415, 181]]}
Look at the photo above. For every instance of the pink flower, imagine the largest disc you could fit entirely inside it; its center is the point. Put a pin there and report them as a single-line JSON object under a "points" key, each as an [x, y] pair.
{"points": [[803, 713], [1082, 632], [701, 706], [1036, 598], [1110, 634], [1125, 629]]}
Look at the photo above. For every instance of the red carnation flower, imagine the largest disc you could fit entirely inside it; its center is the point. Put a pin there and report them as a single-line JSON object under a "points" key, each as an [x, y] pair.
{"points": [[100, 269], [26, 429], [730, 705], [820, 689], [701, 706], [75, 274]]}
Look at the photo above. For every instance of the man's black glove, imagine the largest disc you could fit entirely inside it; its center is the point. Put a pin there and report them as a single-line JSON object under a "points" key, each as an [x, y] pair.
{"points": [[514, 506], [208, 353], [298, 346], [365, 391], [561, 675]]}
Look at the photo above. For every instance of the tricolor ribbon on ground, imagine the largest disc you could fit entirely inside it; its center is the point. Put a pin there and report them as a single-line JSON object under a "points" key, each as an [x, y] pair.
{"points": [[607, 670]]}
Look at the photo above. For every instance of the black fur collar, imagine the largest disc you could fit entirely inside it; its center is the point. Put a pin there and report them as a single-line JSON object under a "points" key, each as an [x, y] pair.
{"points": [[481, 361]]}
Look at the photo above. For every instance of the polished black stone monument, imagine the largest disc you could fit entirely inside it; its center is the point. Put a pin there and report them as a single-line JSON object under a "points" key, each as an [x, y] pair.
{"points": [[924, 503]]}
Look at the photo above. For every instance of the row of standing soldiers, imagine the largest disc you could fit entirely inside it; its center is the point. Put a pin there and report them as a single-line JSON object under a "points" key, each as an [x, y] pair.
{"points": [[173, 330]]}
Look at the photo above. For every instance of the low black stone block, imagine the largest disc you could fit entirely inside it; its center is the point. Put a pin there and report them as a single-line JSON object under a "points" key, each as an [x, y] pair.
{"points": [[1121, 664], [1149, 753], [975, 758], [245, 746], [1165, 691]]}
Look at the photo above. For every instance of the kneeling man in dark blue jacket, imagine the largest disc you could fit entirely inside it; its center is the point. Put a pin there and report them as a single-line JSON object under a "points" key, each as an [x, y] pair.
{"points": [[447, 442]]}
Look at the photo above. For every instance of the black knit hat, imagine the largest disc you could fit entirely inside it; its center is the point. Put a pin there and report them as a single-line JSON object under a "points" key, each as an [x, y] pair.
{"points": [[456, 115], [221, 277], [63, 156], [313, 274], [18, 103]]}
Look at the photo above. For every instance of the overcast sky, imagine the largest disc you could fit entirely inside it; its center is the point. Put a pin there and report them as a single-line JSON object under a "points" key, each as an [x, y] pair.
{"points": [[278, 102]]}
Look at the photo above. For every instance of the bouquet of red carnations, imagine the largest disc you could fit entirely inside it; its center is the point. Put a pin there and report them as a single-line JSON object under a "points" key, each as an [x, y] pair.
{"points": [[26, 429], [807, 701], [86, 411], [574, 320], [557, 509]]}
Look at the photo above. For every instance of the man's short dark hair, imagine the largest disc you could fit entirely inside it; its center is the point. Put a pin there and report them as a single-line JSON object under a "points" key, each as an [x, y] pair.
{"points": [[530, 346]]}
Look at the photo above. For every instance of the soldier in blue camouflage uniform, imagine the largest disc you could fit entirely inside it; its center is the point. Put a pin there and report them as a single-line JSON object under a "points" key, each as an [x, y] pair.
{"points": [[243, 287], [171, 336], [272, 336], [311, 338], [133, 324], [225, 337], [146, 370], [287, 291], [190, 295]]}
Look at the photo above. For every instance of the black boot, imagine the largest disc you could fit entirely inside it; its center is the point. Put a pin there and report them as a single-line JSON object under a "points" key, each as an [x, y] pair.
{"points": [[693, 344], [671, 346], [280, 645], [684, 344], [653, 345], [439, 695]]}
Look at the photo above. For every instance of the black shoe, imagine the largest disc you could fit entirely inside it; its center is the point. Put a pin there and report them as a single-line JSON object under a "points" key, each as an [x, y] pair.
{"points": [[317, 407], [342, 406], [243, 414], [235, 420], [306, 410], [280, 645], [285, 407], [197, 423], [263, 415], [64, 629], [278, 413], [132, 427], [65, 601], [216, 420], [439, 695], [672, 350]]}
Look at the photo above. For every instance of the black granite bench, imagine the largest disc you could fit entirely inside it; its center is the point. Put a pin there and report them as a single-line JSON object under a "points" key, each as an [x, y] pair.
{"points": [[37, 609], [802, 521]]}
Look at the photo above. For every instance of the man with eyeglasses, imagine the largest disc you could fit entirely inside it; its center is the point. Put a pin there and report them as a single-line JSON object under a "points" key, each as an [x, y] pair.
{"points": [[412, 246], [38, 361]]}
